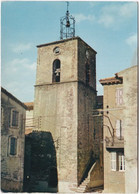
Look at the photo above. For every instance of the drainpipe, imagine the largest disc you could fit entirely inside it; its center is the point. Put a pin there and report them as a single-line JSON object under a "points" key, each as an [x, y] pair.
{"points": [[112, 134]]}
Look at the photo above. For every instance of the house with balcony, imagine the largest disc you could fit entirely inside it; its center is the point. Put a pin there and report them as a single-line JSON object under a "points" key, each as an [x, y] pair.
{"points": [[120, 132]]}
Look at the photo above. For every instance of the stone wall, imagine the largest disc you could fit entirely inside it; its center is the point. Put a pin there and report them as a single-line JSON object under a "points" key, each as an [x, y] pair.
{"points": [[67, 57], [58, 114], [12, 165], [86, 55], [86, 102], [64, 108]]}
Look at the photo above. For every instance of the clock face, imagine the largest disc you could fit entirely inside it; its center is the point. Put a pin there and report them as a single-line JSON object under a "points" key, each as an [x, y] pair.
{"points": [[87, 54], [56, 50]]}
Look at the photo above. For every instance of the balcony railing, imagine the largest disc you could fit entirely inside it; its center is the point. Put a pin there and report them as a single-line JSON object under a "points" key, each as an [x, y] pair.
{"points": [[114, 142]]}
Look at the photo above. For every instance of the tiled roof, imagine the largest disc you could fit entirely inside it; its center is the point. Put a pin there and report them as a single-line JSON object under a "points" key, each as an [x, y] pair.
{"points": [[111, 80], [29, 105], [13, 97]]}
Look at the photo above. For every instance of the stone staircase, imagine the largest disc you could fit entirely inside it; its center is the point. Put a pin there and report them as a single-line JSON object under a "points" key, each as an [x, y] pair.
{"points": [[82, 187]]}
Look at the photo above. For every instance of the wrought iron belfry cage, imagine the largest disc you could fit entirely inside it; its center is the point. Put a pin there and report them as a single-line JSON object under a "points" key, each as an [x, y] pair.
{"points": [[67, 25]]}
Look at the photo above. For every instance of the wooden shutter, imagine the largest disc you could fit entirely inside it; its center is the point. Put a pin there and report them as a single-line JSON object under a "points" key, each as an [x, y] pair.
{"points": [[121, 159], [13, 146], [113, 161], [119, 96]]}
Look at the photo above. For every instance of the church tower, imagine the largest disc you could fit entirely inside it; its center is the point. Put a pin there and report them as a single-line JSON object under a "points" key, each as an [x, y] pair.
{"points": [[65, 96]]}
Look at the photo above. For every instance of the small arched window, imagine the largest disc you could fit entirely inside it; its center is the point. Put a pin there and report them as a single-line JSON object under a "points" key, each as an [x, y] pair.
{"points": [[56, 70]]}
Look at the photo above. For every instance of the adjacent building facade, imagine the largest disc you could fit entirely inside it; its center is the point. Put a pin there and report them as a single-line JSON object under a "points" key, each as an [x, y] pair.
{"points": [[120, 132], [12, 142]]}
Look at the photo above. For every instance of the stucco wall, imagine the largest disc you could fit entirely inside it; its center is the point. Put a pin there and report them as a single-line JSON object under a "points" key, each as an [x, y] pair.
{"points": [[113, 180], [130, 125]]}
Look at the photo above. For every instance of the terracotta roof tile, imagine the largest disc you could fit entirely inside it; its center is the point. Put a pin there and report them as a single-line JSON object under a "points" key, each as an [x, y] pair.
{"points": [[111, 80], [29, 105]]}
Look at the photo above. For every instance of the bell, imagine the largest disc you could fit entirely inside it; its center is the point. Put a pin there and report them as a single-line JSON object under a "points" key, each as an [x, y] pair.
{"points": [[68, 24]]}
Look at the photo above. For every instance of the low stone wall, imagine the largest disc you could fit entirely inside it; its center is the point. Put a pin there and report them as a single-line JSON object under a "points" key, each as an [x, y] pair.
{"points": [[10, 185]]}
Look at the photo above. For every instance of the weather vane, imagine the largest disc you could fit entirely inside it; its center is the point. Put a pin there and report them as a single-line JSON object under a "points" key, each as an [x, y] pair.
{"points": [[67, 25]]}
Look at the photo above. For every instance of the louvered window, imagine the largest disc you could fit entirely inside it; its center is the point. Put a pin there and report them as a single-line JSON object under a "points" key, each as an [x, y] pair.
{"points": [[113, 161]]}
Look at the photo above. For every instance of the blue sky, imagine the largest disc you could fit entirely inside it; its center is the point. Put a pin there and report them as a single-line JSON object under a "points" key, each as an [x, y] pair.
{"points": [[108, 27]]}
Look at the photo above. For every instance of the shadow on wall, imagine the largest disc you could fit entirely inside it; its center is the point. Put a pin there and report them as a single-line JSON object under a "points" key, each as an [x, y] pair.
{"points": [[40, 170]]}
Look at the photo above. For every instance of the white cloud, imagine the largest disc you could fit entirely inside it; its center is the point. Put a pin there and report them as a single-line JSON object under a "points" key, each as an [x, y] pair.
{"points": [[18, 62], [18, 65], [114, 14], [107, 20], [132, 40], [127, 10], [31, 66], [99, 89], [16, 48], [80, 17]]}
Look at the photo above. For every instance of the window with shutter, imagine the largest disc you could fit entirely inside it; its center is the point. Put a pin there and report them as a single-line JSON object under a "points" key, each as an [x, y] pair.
{"points": [[15, 118], [119, 96], [113, 161], [121, 160], [13, 146]]}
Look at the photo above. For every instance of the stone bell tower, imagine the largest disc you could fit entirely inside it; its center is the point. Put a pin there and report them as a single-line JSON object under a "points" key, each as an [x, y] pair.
{"points": [[65, 96]]}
